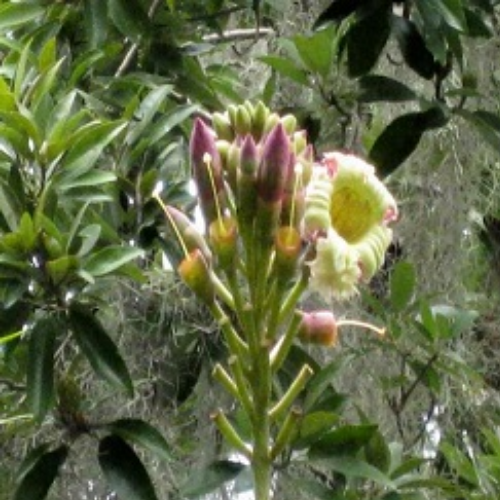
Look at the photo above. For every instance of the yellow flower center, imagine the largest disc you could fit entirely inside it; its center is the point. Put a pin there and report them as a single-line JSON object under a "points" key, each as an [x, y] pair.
{"points": [[351, 214]]}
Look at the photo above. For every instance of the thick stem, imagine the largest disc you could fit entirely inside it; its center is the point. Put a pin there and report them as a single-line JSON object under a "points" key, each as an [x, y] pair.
{"points": [[261, 459]]}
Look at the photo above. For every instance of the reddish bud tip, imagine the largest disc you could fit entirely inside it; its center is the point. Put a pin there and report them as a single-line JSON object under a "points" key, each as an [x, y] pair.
{"points": [[207, 170], [273, 168]]}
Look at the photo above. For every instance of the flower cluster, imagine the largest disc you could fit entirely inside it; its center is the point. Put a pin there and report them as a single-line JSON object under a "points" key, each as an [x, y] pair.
{"points": [[276, 223], [264, 197]]}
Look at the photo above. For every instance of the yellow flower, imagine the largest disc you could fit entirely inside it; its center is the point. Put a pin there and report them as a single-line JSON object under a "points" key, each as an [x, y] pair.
{"points": [[347, 212]]}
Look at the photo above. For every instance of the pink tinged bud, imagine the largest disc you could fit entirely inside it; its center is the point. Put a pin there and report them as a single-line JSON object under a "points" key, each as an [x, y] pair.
{"points": [[274, 165], [207, 169], [187, 231], [319, 328], [195, 272]]}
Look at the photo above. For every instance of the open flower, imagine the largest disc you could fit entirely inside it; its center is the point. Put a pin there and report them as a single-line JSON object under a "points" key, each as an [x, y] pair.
{"points": [[347, 212]]}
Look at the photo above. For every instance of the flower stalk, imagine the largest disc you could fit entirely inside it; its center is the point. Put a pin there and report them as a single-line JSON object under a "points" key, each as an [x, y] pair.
{"points": [[277, 224]]}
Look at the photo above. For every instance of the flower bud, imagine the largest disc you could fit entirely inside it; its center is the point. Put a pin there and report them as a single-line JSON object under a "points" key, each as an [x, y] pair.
{"points": [[289, 123], [247, 194], [261, 112], [223, 239], [319, 328], [288, 246], [187, 231], [243, 121], [271, 121], [274, 166], [195, 272], [207, 169], [222, 127]]}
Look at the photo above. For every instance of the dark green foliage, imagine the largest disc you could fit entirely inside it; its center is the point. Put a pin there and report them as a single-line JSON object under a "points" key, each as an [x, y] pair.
{"points": [[123, 470], [38, 472], [401, 137]]}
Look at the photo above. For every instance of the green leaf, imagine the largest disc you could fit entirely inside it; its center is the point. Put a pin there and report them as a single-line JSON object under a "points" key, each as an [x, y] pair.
{"points": [[402, 285], [87, 145], [124, 471], [316, 51], [413, 47], [40, 371], [460, 463], [376, 88], [457, 321], [13, 15], [39, 474], [143, 434], [377, 452], [366, 39], [96, 22], [45, 83], [205, 481], [353, 467], [321, 380], [286, 67], [129, 17], [401, 137], [98, 348], [9, 206], [93, 178], [345, 440], [476, 25], [147, 110], [453, 13], [110, 259], [337, 11], [172, 119], [313, 426]]}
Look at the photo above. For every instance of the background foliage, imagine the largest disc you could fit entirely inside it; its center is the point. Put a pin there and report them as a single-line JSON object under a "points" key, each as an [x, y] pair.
{"points": [[105, 359]]}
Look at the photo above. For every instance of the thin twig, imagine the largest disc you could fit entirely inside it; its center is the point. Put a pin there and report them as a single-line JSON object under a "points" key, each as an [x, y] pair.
{"points": [[12, 385], [238, 35], [129, 56]]}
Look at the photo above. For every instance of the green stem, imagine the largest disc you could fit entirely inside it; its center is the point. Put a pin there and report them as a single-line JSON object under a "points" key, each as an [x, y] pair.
{"points": [[282, 348], [261, 460], [230, 434], [292, 298], [236, 345], [287, 431], [291, 394]]}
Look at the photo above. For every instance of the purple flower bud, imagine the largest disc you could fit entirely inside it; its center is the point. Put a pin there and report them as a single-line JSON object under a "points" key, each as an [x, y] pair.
{"points": [[207, 169], [274, 165]]}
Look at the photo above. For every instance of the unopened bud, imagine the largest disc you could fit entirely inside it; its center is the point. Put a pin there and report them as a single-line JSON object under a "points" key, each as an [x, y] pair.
{"points": [[243, 122], [288, 246], [187, 232], [271, 121], [289, 123], [207, 169], [274, 165], [319, 328], [261, 112], [223, 236], [222, 127], [195, 272]]}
